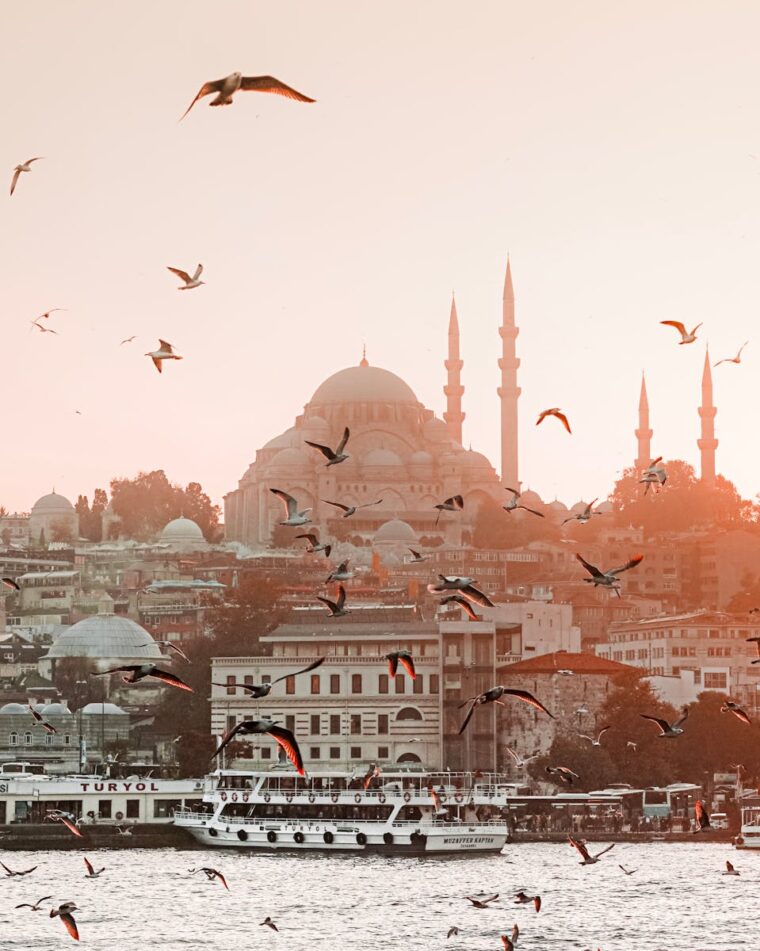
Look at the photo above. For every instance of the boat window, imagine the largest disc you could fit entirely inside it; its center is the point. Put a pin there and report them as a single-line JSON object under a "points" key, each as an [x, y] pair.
{"points": [[133, 808], [165, 808], [104, 809]]}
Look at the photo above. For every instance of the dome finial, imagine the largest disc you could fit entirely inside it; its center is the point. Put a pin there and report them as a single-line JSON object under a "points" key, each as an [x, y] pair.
{"points": [[364, 362]]}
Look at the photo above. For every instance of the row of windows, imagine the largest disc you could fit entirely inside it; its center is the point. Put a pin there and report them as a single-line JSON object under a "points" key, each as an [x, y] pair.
{"points": [[334, 722], [335, 685], [13, 739]]}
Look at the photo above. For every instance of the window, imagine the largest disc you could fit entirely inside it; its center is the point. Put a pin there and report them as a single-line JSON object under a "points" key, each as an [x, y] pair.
{"points": [[382, 683], [334, 752], [66, 739], [248, 680], [133, 808], [28, 739], [13, 739], [408, 713], [266, 678], [356, 752], [334, 683], [266, 752], [231, 721], [434, 685], [417, 686], [715, 681], [314, 752], [165, 808], [290, 685], [356, 724], [356, 683], [104, 808], [382, 724], [315, 683], [335, 724], [48, 739], [290, 722], [382, 752], [315, 724], [400, 683], [231, 688]]}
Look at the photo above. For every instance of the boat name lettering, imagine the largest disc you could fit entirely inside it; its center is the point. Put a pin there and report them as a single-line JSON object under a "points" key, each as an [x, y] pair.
{"points": [[118, 787], [469, 840]]}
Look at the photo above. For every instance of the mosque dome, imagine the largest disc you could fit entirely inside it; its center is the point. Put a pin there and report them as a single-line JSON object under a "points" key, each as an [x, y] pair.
{"points": [[381, 457], [363, 384], [287, 457], [474, 460], [315, 427], [103, 709], [558, 506], [396, 531], [56, 710], [578, 507], [183, 533], [605, 507], [531, 498], [53, 504], [107, 636], [420, 458], [436, 430], [13, 708], [284, 441]]}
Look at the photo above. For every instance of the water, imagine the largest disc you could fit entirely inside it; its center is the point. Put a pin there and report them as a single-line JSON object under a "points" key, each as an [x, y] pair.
{"points": [[676, 901]]}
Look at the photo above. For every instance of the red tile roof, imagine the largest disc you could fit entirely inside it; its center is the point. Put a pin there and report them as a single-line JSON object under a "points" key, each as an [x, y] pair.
{"points": [[563, 660]]}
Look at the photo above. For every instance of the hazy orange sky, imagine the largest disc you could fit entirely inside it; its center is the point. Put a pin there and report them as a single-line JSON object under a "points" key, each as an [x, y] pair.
{"points": [[613, 150]]}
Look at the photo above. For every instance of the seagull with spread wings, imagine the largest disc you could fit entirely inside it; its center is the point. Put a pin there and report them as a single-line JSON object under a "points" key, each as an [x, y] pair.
{"points": [[464, 586], [12, 873], [454, 503], [580, 846], [731, 706], [226, 88], [730, 870], [736, 359], [566, 776], [38, 718], [668, 731], [294, 518], [522, 899], [595, 741], [188, 282], [416, 557], [212, 874], [521, 763], [138, 672], [165, 352], [37, 906], [56, 815], [333, 456], [557, 413], [341, 573], [283, 737], [609, 578], [64, 912], [482, 902], [585, 515], [257, 691], [23, 167], [494, 695], [91, 873], [463, 603], [654, 474], [349, 510], [514, 503], [337, 608], [404, 658], [687, 336], [314, 544]]}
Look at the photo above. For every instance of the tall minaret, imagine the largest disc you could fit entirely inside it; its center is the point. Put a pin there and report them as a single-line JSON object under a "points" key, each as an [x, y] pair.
{"points": [[454, 416], [707, 443], [509, 391], [643, 433]]}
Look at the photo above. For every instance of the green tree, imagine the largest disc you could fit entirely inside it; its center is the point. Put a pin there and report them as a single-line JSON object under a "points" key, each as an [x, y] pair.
{"points": [[145, 504]]}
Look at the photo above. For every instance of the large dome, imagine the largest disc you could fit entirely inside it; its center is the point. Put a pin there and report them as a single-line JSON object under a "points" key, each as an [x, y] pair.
{"points": [[363, 384], [183, 533], [396, 531], [105, 635], [103, 709], [381, 457], [53, 504]]}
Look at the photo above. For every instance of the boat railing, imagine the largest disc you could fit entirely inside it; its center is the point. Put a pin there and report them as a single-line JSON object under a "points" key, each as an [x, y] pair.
{"points": [[278, 822], [449, 795]]}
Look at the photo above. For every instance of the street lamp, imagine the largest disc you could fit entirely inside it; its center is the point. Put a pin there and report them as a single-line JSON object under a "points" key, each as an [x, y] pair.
{"points": [[79, 684]]}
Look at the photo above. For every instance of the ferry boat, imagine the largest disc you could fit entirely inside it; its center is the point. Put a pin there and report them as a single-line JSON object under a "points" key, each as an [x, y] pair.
{"points": [[407, 813], [28, 795], [749, 836]]}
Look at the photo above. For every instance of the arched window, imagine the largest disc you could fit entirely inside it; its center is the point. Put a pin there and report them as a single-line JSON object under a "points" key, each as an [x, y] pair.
{"points": [[28, 739], [409, 713], [66, 739], [13, 739], [48, 739], [408, 758]]}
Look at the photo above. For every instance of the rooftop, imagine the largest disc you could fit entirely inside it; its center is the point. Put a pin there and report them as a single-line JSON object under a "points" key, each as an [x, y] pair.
{"points": [[564, 660]]}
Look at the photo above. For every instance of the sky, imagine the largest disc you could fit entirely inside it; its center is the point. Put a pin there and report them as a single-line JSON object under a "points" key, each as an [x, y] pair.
{"points": [[612, 150]]}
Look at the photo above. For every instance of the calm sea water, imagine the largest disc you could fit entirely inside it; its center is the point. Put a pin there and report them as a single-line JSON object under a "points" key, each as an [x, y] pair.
{"points": [[677, 900]]}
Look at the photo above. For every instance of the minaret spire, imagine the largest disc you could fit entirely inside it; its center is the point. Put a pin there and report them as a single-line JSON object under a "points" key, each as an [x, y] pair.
{"points": [[454, 390], [707, 443], [643, 433], [509, 391]]}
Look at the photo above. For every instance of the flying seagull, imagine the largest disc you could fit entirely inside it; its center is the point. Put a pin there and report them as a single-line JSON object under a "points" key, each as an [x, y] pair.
{"points": [[463, 603], [212, 875], [654, 474], [349, 510], [257, 691], [11, 873], [554, 411], [189, 282], [46, 315], [494, 695], [482, 902], [91, 873], [23, 167], [137, 672], [294, 518], [585, 515], [687, 336], [416, 556], [269, 923], [465, 587], [64, 912], [37, 906], [454, 503], [10, 583], [165, 352], [57, 816], [584, 853], [565, 774], [333, 456], [522, 899], [314, 544], [609, 578], [404, 658], [521, 763], [284, 738], [337, 608], [628, 871], [730, 706], [452, 932], [227, 87], [341, 573], [128, 340], [730, 870], [666, 730], [595, 741], [38, 718], [44, 330], [514, 503], [736, 359]]}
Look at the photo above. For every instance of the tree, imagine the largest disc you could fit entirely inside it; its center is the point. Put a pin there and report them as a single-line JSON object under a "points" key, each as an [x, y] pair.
{"points": [[61, 532], [495, 528], [145, 504], [90, 519], [748, 597]]}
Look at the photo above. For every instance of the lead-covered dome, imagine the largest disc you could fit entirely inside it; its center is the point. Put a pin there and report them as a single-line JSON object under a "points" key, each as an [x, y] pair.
{"points": [[363, 384], [103, 709], [396, 531], [12, 709], [183, 534], [53, 504], [106, 636]]}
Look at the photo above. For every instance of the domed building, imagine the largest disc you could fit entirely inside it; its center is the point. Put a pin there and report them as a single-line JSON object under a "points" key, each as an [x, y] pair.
{"points": [[183, 535], [108, 640], [53, 519], [393, 540]]}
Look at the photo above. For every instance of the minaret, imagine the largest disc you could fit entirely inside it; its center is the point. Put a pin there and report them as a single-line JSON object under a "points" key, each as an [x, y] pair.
{"points": [[454, 416], [509, 391], [643, 433], [707, 443]]}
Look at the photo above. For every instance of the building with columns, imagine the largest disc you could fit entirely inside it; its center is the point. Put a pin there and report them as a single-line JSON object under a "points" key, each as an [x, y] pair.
{"points": [[400, 452]]}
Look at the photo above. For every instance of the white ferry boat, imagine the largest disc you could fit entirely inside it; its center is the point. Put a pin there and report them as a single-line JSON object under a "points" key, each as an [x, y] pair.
{"points": [[27, 795], [400, 813], [749, 836]]}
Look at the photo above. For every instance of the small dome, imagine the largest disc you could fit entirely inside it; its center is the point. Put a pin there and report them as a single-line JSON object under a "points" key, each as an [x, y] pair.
{"points": [[106, 636], [578, 507], [103, 709], [183, 533], [436, 430], [420, 458], [53, 504], [396, 531], [284, 441], [56, 709], [381, 457], [13, 708], [605, 507], [291, 457], [474, 460], [363, 384], [531, 498], [557, 506], [315, 427]]}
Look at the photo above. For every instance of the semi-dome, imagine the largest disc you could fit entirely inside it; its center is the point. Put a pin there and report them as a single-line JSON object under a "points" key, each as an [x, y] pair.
{"points": [[474, 460], [436, 430], [289, 438], [363, 384], [183, 533], [56, 709], [396, 531], [290, 457], [381, 457], [13, 708], [107, 636], [103, 709], [52, 504], [420, 458]]}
